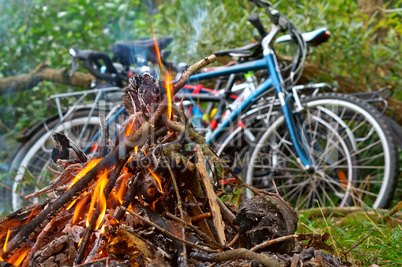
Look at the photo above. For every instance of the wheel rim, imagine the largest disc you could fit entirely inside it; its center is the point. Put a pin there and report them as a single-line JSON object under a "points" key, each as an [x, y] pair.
{"points": [[367, 186], [38, 157], [372, 149], [274, 165]]}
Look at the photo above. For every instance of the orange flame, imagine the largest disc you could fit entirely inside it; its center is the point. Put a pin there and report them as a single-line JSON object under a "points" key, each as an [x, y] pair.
{"points": [[17, 258], [84, 171], [130, 127], [79, 242], [156, 47], [136, 149], [98, 194], [158, 180], [169, 94], [168, 84], [123, 187], [82, 203], [5, 243], [71, 204]]}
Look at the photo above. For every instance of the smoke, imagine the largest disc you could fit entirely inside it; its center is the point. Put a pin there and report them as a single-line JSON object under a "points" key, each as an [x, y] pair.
{"points": [[197, 14]]}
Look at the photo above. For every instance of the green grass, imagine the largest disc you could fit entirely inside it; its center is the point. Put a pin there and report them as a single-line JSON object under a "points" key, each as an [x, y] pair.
{"points": [[383, 247]]}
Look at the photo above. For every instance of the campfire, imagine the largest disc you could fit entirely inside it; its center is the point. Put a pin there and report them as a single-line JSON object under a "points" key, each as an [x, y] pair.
{"points": [[150, 197]]}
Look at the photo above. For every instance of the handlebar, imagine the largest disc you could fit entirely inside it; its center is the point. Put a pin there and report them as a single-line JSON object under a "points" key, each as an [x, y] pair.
{"points": [[92, 62], [256, 22], [281, 23]]}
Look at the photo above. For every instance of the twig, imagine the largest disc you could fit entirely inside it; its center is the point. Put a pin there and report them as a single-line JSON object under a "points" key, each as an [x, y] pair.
{"points": [[299, 237], [92, 224], [391, 213], [53, 184], [361, 241], [179, 206], [191, 70], [136, 138], [169, 234], [37, 244], [199, 139], [240, 253], [234, 240], [129, 196], [197, 230], [213, 203], [201, 216], [103, 136], [227, 213]]}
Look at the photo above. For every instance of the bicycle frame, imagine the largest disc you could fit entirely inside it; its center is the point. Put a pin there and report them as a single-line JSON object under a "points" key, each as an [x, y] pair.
{"points": [[269, 62]]}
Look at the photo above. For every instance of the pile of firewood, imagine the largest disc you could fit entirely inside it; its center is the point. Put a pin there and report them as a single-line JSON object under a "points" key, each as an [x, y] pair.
{"points": [[151, 197]]}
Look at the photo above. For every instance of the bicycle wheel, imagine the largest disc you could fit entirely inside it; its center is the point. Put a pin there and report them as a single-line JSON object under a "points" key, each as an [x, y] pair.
{"points": [[28, 170], [235, 144], [352, 149]]}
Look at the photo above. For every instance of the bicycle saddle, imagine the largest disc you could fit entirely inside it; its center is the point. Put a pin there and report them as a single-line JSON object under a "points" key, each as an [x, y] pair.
{"points": [[244, 51], [138, 52], [314, 38]]}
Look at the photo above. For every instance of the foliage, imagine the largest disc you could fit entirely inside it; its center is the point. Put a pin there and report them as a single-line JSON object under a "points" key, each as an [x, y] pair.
{"points": [[383, 247], [35, 31]]}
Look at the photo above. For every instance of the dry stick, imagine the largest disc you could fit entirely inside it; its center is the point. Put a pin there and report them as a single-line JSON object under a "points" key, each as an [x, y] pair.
{"points": [[197, 230], [199, 139], [361, 241], [135, 138], [179, 205], [234, 240], [240, 253], [170, 235], [227, 213], [53, 184], [209, 190], [191, 70], [103, 136], [200, 217], [92, 224], [37, 244], [128, 198], [274, 241], [115, 156], [391, 213], [300, 237]]}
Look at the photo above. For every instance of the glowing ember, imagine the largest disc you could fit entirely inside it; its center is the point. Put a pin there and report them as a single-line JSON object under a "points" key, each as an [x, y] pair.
{"points": [[98, 195], [158, 180], [84, 171], [136, 149], [5, 243]]}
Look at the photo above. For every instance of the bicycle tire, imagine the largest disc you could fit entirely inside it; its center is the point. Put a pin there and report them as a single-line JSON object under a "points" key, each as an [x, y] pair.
{"points": [[34, 155], [370, 185]]}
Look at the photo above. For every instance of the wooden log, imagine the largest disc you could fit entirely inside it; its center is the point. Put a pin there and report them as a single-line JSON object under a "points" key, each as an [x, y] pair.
{"points": [[210, 192], [44, 73]]}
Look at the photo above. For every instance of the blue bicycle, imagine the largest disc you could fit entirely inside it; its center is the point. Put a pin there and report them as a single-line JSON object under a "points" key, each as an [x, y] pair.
{"points": [[326, 148]]}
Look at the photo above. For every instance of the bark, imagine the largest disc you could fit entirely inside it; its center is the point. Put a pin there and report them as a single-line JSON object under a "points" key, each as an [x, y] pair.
{"points": [[44, 73], [373, 8]]}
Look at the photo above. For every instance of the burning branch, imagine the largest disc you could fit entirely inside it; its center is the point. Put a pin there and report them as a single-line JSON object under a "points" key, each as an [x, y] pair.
{"points": [[149, 199]]}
